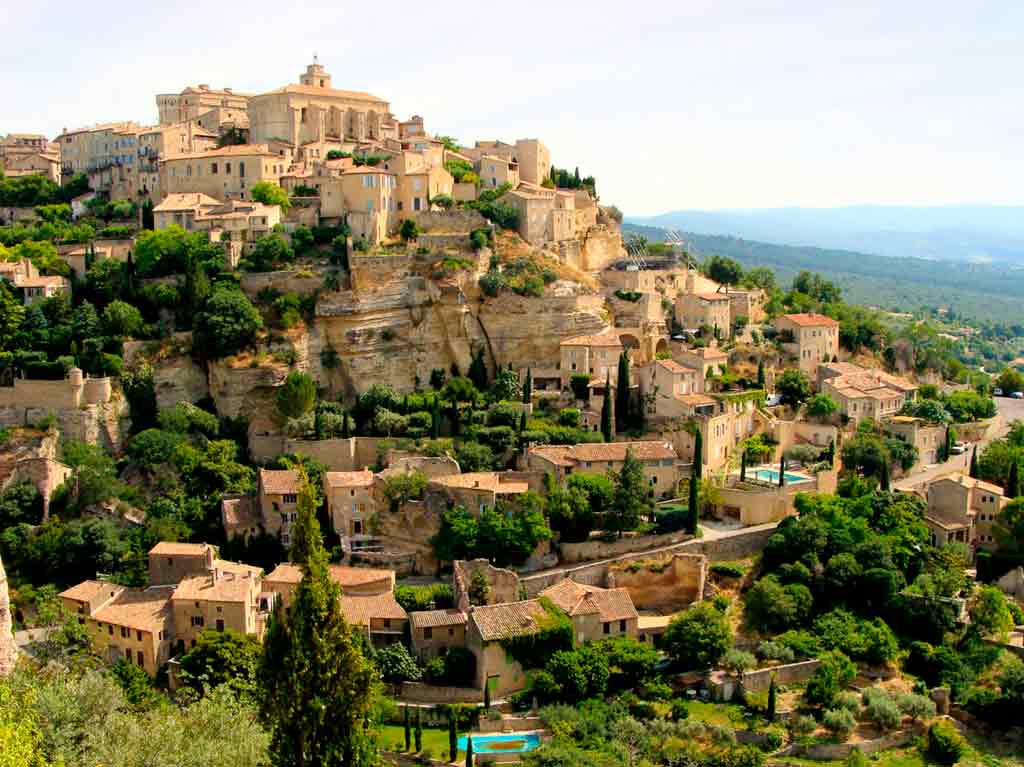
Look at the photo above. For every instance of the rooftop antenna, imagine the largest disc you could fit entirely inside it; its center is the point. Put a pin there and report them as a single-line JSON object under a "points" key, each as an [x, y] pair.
{"points": [[316, 59], [636, 249]]}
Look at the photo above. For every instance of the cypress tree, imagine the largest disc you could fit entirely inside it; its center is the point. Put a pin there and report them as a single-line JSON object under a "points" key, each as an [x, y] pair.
{"points": [[782, 472], [522, 422], [606, 411], [408, 731], [469, 751], [698, 454], [691, 510], [318, 690], [743, 466], [417, 732], [528, 387], [345, 431], [948, 448], [622, 420], [771, 700], [760, 374], [453, 739], [883, 478], [1012, 489], [487, 694], [974, 463], [478, 370]]}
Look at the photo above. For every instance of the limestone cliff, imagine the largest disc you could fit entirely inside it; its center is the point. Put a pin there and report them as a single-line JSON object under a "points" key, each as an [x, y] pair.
{"points": [[8, 650]]}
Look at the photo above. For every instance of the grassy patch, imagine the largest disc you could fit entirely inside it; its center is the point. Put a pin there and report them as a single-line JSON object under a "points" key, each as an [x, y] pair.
{"points": [[392, 738], [716, 713]]}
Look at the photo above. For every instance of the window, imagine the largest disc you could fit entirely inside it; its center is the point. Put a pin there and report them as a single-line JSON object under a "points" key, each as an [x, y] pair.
{"points": [[227, 167], [124, 633], [606, 628], [141, 658], [110, 629], [138, 635], [128, 655], [290, 497], [197, 620], [622, 625], [428, 633], [220, 625], [241, 170]]}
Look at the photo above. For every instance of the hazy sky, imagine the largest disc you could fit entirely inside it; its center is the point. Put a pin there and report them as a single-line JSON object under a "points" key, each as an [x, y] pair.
{"points": [[685, 104]]}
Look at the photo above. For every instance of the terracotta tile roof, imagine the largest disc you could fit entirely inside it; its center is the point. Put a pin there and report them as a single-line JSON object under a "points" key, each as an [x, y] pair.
{"points": [[312, 90], [363, 169], [706, 352], [507, 620], [284, 573], [695, 400], [238, 150], [184, 201], [712, 296], [359, 610], [236, 568], [577, 599], [483, 480], [603, 339], [237, 513], [279, 481], [171, 548], [88, 590], [970, 482], [144, 609], [674, 367], [436, 618], [360, 576], [227, 588], [349, 478], [645, 450], [811, 320]]}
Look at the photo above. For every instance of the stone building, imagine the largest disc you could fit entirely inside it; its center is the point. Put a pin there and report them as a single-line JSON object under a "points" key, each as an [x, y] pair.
{"points": [[862, 393], [478, 490], [705, 310], [351, 505], [963, 509], [225, 173], [313, 110], [435, 632], [277, 495], [197, 104], [596, 613], [596, 356], [236, 224], [162, 142], [659, 459], [354, 581], [811, 338], [29, 283], [489, 625], [928, 438]]}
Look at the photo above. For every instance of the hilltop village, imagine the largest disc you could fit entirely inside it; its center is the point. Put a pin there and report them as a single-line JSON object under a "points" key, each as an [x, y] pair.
{"points": [[533, 449]]}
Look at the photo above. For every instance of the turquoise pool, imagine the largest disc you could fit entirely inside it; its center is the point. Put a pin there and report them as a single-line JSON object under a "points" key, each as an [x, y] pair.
{"points": [[772, 475], [514, 743]]}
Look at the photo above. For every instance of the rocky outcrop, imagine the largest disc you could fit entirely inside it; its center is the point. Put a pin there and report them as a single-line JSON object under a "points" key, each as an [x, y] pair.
{"points": [[8, 649]]}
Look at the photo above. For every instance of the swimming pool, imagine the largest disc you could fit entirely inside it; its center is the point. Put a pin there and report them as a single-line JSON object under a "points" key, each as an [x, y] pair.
{"points": [[514, 742], [772, 475]]}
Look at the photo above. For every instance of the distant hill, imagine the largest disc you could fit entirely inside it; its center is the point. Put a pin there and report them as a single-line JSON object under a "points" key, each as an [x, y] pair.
{"points": [[983, 291], [975, 233]]}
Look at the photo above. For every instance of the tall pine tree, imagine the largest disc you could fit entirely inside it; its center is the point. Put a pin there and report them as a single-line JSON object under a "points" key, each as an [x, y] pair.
{"points": [[692, 511], [528, 387], [606, 411], [478, 370], [760, 374], [698, 453], [973, 472], [884, 478], [771, 699], [1012, 489], [622, 409], [318, 689]]}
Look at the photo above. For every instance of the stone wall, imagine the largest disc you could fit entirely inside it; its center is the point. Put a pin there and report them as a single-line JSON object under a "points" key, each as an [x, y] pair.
{"points": [[601, 246], [352, 454], [8, 649], [449, 220], [732, 545], [418, 692], [305, 282], [658, 584], [587, 551], [790, 673], [835, 751], [442, 241], [502, 584]]}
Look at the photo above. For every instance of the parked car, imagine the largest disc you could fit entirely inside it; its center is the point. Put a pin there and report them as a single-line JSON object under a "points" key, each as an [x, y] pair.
{"points": [[1017, 395], [997, 392], [958, 448]]}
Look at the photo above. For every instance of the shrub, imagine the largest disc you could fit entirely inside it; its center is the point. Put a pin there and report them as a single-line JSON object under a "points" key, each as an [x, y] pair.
{"points": [[945, 745], [803, 725], [849, 701], [776, 651], [839, 722], [884, 712], [727, 570], [916, 706]]}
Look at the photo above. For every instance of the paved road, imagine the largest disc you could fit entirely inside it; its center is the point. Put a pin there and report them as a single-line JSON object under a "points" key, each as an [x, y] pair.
{"points": [[1010, 410]]}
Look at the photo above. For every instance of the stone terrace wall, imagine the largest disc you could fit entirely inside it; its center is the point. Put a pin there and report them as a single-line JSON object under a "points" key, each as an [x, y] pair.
{"points": [[418, 692], [732, 545], [790, 673], [288, 281], [657, 584], [449, 221], [587, 551]]}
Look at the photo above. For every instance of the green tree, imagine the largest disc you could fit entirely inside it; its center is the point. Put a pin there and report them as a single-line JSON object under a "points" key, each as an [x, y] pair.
{"points": [[302, 239], [821, 406], [318, 688], [723, 270], [221, 657], [227, 324], [698, 638], [693, 506], [270, 193], [408, 730], [606, 411], [296, 396], [884, 477], [633, 501], [453, 737], [1012, 489], [772, 693], [793, 387], [622, 403], [469, 751], [760, 374], [417, 732], [478, 370], [408, 231], [122, 319], [832, 677], [528, 387], [12, 314], [989, 612], [973, 471], [269, 251]]}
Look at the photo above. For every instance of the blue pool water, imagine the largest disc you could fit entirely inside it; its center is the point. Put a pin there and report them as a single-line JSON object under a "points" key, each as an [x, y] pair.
{"points": [[772, 475], [483, 744]]}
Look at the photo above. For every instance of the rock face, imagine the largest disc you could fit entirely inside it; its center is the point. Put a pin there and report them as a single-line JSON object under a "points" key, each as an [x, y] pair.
{"points": [[8, 650]]}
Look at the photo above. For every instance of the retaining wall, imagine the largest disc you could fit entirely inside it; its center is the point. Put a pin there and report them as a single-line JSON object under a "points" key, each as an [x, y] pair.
{"points": [[587, 551], [418, 692], [790, 673]]}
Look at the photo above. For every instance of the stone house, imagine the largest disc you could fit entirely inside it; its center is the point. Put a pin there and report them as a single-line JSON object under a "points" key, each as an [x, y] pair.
{"points": [[98, 147], [707, 360], [596, 613], [194, 103], [228, 597], [351, 504], [277, 493], [478, 490], [435, 632], [226, 173], [811, 338], [418, 181], [354, 581], [659, 459], [133, 624], [698, 310], [29, 283], [380, 616], [163, 141], [596, 356], [43, 163], [170, 562], [747, 303], [490, 624], [862, 393], [928, 438], [963, 509], [495, 171], [667, 379]]}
